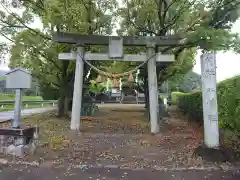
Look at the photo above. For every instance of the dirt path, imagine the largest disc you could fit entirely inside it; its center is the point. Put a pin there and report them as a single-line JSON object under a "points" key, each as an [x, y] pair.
{"points": [[119, 137], [118, 119]]}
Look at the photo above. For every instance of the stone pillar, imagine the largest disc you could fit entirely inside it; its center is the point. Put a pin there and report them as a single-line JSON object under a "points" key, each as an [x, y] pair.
{"points": [[209, 98], [77, 92], [17, 109], [108, 81], [153, 89]]}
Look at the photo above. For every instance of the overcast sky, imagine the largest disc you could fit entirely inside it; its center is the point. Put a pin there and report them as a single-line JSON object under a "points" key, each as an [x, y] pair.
{"points": [[228, 64]]}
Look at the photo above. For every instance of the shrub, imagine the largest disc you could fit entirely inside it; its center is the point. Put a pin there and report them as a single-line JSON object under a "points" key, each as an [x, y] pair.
{"points": [[191, 103], [229, 104], [228, 95], [175, 96]]}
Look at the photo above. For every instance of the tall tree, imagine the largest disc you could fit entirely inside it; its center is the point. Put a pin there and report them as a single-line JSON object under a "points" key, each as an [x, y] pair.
{"points": [[185, 82], [34, 48], [200, 24]]}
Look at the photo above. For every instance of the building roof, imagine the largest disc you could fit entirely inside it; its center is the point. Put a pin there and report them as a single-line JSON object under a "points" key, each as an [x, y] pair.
{"points": [[19, 69]]}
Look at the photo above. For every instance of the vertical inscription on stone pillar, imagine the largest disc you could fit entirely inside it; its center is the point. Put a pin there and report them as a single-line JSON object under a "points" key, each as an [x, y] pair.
{"points": [[209, 73], [208, 66]]}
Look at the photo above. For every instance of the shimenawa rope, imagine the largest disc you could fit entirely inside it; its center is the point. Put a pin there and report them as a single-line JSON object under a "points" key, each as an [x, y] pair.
{"points": [[119, 74]]}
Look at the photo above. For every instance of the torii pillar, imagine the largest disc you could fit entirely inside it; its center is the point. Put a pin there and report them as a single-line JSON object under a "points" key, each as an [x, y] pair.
{"points": [[77, 93], [152, 88]]}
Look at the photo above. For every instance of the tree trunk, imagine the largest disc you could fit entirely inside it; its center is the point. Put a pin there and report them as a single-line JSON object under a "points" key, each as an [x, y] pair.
{"points": [[146, 94], [61, 105], [66, 102], [64, 90], [63, 100]]}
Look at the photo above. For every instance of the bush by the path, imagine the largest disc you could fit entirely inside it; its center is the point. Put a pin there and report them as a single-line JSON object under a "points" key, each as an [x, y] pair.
{"points": [[175, 96], [191, 103], [228, 94]]}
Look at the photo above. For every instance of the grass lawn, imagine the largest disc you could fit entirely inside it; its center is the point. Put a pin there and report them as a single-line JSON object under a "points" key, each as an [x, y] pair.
{"points": [[11, 107], [11, 97], [2, 78]]}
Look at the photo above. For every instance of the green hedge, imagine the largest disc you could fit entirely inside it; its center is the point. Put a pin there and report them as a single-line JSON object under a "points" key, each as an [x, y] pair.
{"points": [[228, 95], [191, 103], [175, 96]]}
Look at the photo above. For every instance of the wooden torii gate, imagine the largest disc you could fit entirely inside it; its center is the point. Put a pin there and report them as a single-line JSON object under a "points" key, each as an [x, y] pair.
{"points": [[115, 53]]}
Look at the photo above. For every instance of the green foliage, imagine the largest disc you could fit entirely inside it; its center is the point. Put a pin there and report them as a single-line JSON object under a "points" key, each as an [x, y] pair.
{"points": [[191, 103], [204, 24], [191, 81], [175, 96], [97, 88], [185, 82], [228, 104], [2, 78], [88, 109], [40, 56], [49, 92], [34, 49]]}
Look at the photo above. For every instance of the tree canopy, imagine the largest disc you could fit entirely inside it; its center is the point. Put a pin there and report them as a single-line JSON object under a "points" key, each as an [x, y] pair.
{"points": [[186, 83], [200, 24]]}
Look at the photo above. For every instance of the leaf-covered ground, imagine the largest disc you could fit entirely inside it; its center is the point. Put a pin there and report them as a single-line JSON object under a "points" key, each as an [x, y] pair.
{"points": [[118, 135]]}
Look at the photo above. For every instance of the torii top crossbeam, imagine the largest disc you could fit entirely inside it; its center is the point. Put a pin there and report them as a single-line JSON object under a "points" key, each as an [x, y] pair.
{"points": [[71, 38]]}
